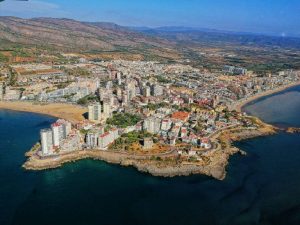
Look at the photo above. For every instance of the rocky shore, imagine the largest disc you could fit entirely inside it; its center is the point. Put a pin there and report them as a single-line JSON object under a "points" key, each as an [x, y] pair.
{"points": [[216, 168], [213, 163], [293, 130]]}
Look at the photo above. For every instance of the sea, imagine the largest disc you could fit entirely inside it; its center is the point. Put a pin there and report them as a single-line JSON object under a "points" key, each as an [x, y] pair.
{"points": [[260, 188]]}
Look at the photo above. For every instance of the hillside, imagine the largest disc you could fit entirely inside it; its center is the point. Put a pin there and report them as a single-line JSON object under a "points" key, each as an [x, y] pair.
{"points": [[202, 48], [70, 35]]}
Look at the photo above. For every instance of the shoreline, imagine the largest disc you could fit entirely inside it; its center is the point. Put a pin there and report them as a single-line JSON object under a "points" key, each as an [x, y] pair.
{"points": [[213, 163], [68, 112], [239, 106]]}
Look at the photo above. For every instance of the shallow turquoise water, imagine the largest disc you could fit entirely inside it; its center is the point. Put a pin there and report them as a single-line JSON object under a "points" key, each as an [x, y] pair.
{"points": [[282, 109], [261, 188]]}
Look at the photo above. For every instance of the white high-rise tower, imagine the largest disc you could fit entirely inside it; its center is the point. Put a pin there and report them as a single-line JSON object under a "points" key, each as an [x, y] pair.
{"points": [[46, 141]]}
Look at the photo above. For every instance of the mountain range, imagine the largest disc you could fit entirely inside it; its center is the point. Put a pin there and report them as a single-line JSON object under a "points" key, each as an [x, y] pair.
{"points": [[202, 47]]}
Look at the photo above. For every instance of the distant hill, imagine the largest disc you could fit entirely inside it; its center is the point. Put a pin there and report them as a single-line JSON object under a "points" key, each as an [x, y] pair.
{"points": [[203, 48], [211, 49], [191, 35]]}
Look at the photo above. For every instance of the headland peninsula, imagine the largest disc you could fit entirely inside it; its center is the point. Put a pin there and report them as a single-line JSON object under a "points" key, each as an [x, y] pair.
{"points": [[164, 119]]}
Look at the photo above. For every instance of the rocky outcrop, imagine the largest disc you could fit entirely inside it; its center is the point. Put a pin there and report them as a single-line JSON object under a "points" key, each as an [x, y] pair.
{"points": [[212, 163], [216, 167], [293, 130]]}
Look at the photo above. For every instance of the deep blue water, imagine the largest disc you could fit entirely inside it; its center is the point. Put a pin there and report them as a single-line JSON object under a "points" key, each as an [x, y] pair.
{"points": [[261, 188]]}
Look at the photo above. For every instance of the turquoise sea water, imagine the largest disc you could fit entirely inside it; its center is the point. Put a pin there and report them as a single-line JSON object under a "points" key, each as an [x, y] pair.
{"points": [[261, 188]]}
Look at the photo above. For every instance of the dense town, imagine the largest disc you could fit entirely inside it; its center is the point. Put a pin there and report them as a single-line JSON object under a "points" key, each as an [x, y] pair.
{"points": [[138, 108]]}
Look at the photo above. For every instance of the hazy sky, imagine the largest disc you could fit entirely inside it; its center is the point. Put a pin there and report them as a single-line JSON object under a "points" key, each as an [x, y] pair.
{"points": [[280, 17]]}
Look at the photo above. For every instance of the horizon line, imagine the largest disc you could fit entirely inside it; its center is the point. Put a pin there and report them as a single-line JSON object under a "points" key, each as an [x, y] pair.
{"points": [[191, 28]]}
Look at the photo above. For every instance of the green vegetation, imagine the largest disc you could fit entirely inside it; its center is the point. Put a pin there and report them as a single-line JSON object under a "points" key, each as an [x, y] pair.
{"points": [[176, 107], [162, 79], [199, 127], [185, 109], [107, 128], [158, 158], [192, 159], [134, 136], [123, 120], [20, 52], [83, 131], [128, 139], [3, 58], [69, 97], [234, 60], [13, 78], [78, 72], [35, 147], [156, 106], [63, 85], [87, 99], [269, 67]]}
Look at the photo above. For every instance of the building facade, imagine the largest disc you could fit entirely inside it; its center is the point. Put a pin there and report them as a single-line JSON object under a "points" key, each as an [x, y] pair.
{"points": [[152, 125], [47, 141], [1, 91], [94, 113]]}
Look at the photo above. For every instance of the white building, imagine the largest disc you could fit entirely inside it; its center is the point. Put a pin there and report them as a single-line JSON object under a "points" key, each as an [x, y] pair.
{"points": [[60, 130], [72, 143], [1, 92], [115, 133], [125, 99], [55, 134], [97, 139], [94, 112], [147, 91], [157, 90], [148, 143], [131, 91], [106, 111], [104, 140], [46, 141], [67, 125], [205, 143], [12, 95], [152, 125], [166, 124], [92, 139]]}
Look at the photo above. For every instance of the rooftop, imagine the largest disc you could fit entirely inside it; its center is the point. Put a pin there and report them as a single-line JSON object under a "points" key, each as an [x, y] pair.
{"points": [[180, 116]]}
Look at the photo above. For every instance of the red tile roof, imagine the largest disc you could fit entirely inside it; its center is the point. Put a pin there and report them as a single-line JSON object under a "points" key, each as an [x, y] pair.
{"points": [[181, 116]]}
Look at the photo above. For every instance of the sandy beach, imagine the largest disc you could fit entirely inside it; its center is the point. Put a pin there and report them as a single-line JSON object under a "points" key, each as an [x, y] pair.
{"points": [[69, 112], [238, 107]]}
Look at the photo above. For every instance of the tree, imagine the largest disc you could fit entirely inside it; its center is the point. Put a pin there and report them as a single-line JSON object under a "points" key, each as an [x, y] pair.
{"points": [[123, 120]]}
